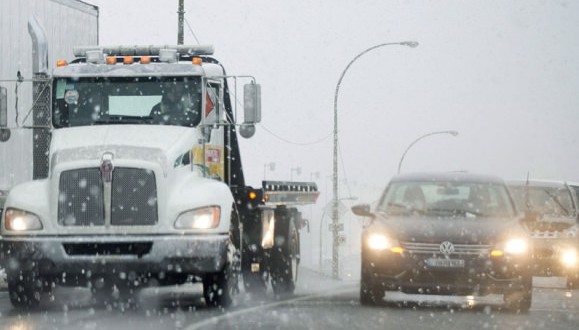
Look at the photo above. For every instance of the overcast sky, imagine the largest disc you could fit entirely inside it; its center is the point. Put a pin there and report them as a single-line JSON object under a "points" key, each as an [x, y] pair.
{"points": [[504, 74]]}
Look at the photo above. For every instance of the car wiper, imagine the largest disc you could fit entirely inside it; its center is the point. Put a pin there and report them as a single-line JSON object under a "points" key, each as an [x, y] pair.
{"points": [[557, 201], [403, 209], [475, 213], [455, 212]]}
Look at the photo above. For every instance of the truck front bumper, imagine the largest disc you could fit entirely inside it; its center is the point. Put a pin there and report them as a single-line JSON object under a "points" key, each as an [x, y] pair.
{"points": [[88, 256]]}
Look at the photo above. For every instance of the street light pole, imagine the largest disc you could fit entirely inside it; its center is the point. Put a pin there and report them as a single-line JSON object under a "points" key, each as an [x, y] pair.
{"points": [[453, 133], [335, 216]]}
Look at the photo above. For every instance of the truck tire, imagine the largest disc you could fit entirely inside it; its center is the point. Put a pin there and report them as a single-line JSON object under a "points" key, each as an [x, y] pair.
{"points": [[285, 256], [219, 288], [519, 300], [25, 289]]}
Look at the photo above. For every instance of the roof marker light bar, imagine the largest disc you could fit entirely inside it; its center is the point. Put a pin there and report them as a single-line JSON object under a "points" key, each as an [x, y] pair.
{"points": [[95, 56], [152, 50]]}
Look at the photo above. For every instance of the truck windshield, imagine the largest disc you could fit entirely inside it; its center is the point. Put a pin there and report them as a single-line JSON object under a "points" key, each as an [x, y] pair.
{"points": [[134, 100]]}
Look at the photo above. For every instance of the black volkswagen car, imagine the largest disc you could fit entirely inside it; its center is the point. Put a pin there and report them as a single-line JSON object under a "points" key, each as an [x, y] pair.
{"points": [[449, 234]]}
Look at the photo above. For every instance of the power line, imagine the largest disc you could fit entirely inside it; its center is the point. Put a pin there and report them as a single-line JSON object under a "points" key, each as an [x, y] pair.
{"points": [[295, 143], [191, 30]]}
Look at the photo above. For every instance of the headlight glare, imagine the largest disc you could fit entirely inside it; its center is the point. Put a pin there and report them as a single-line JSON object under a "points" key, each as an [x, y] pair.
{"points": [[380, 242], [19, 220], [202, 218], [516, 246], [569, 258]]}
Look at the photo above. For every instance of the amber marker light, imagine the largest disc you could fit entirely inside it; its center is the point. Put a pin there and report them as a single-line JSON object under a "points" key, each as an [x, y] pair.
{"points": [[497, 253], [111, 60], [252, 195], [397, 249], [197, 61], [128, 60], [145, 60], [61, 63]]}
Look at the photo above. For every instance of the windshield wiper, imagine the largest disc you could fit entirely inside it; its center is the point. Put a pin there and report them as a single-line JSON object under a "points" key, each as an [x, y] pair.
{"points": [[122, 120], [557, 201], [404, 209], [455, 212]]}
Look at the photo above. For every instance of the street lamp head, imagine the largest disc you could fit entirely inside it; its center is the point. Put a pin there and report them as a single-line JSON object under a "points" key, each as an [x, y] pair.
{"points": [[453, 133], [411, 44]]}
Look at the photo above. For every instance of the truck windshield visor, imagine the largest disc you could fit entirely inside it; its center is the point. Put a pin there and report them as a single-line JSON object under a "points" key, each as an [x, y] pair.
{"points": [[134, 100]]}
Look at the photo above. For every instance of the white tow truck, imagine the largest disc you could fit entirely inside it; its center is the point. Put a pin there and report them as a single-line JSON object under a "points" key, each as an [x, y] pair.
{"points": [[139, 191]]}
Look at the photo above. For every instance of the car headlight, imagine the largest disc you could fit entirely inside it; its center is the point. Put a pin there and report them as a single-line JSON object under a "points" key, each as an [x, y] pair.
{"points": [[516, 246], [569, 257], [20, 220], [380, 242], [202, 218]]}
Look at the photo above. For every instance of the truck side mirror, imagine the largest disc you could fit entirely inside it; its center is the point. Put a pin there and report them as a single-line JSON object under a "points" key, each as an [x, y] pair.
{"points": [[251, 109], [251, 103], [4, 131]]}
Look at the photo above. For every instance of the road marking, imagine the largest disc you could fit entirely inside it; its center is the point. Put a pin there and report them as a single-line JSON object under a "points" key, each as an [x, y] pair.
{"points": [[215, 320]]}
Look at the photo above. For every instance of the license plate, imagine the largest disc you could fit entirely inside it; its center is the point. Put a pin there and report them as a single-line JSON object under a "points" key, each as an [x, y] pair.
{"points": [[445, 263]]}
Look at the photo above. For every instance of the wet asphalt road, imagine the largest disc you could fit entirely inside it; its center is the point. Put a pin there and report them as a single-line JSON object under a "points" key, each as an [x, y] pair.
{"points": [[319, 303]]}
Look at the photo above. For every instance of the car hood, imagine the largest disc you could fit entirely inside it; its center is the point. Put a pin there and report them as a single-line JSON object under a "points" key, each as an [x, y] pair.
{"points": [[459, 230], [551, 224]]}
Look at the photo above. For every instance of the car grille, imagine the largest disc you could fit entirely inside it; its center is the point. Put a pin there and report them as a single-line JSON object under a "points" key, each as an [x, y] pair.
{"points": [[133, 196], [434, 249]]}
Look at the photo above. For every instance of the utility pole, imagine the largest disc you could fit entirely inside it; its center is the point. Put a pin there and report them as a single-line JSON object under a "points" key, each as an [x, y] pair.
{"points": [[181, 13]]}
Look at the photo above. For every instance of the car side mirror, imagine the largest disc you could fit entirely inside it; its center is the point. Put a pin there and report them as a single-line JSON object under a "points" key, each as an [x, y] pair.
{"points": [[362, 210]]}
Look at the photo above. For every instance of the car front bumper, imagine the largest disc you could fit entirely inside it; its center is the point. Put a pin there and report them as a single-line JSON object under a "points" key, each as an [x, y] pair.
{"points": [[460, 275]]}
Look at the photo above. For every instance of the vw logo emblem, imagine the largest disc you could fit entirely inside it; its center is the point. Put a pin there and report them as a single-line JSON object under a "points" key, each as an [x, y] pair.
{"points": [[446, 248]]}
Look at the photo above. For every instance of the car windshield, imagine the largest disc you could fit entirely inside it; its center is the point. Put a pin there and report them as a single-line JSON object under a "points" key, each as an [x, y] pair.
{"points": [[446, 199], [549, 201], [99, 101]]}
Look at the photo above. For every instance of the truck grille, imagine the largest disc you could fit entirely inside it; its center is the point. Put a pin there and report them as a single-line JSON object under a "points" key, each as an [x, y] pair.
{"points": [[434, 249], [133, 196]]}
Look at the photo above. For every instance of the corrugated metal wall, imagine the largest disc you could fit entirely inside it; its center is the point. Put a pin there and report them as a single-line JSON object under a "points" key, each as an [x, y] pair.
{"points": [[67, 23]]}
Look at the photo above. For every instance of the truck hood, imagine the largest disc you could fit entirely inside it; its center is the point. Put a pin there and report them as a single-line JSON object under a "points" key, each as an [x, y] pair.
{"points": [[161, 144]]}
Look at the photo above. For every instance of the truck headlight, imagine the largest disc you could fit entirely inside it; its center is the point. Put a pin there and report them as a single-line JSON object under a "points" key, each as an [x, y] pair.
{"points": [[20, 220], [516, 246], [569, 257], [380, 242], [202, 218]]}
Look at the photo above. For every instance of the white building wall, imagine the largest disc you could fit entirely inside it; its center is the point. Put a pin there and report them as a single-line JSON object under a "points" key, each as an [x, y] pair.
{"points": [[67, 23]]}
